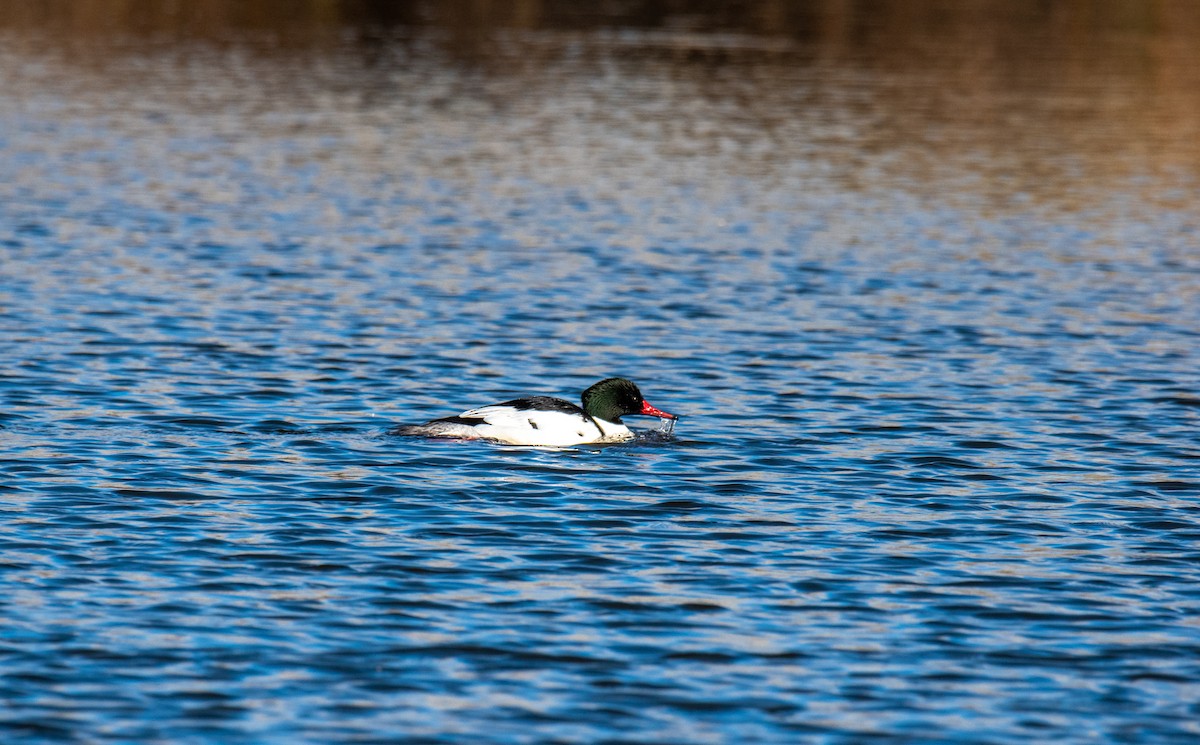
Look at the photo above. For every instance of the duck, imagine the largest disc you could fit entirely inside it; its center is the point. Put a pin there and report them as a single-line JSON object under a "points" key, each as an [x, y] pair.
{"points": [[547, 421]]}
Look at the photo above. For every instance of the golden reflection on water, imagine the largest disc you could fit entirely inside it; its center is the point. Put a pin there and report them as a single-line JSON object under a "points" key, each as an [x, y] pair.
{"points": [[1014, 103]]}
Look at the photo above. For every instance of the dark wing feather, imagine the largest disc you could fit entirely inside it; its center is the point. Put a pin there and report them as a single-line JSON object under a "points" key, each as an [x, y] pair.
{"points": [[470, 421], [543, 403]]}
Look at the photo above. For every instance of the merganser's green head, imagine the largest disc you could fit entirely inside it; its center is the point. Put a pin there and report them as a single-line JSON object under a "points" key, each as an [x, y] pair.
{"points": [[613, 398]]}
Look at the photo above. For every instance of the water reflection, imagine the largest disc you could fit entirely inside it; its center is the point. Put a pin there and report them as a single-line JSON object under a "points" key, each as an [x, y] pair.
{"points": [[1013, 103]]}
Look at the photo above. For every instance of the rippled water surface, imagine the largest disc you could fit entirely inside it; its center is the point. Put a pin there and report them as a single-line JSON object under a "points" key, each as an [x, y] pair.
{"points": [[930, 311]]}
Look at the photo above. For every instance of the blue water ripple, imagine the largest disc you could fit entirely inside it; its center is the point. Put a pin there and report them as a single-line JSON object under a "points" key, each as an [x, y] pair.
{"points": [[935, 479]]}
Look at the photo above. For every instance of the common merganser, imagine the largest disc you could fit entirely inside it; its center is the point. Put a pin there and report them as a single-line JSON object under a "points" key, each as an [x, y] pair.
{"points": [[547, 421]]}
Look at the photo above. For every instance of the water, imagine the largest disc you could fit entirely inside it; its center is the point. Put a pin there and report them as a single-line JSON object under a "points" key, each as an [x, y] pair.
{"points": [[930, 312]]}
